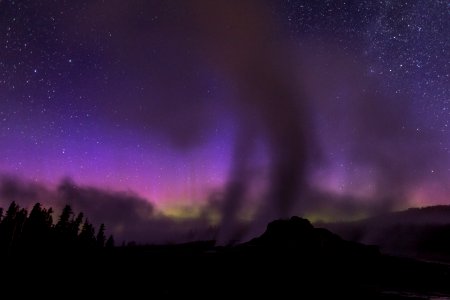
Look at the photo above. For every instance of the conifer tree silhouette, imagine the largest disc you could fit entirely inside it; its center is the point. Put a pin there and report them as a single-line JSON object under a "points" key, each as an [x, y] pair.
{"points": [[110, 242], [36, 229], [101, 238], [63, 221], [8, 227], [24, 233], [87, 235], [75, 226]]}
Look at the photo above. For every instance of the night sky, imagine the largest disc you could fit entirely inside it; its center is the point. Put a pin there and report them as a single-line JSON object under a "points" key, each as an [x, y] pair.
{"points": [[180, 102]]}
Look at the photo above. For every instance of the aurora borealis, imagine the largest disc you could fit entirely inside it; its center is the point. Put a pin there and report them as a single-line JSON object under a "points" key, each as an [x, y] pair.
{"points": [[151, 97]]}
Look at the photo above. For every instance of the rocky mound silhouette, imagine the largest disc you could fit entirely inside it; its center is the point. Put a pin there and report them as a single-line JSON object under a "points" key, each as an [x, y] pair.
{"points": [[297, 236]]}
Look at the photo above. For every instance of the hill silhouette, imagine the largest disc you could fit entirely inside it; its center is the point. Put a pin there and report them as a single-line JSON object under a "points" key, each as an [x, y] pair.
{"points": [[299, 238]]}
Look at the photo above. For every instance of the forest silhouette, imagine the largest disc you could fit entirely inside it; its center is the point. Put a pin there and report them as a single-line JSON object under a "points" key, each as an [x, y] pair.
{"points": [[35, 233]]}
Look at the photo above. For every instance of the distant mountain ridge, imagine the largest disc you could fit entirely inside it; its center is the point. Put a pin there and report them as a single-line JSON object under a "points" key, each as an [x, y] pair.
{"points": [[429, 214]]}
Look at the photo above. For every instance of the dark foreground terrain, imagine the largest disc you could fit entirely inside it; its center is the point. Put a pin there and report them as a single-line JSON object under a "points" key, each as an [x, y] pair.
{"points": [[292, 259]]}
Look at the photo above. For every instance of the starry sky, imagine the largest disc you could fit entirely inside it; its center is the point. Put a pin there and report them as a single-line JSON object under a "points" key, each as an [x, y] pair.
{"points": [[138, 96]]}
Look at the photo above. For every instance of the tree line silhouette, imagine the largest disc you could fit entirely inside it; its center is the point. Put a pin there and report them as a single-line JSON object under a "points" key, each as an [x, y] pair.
{"points": [[34, 232]]}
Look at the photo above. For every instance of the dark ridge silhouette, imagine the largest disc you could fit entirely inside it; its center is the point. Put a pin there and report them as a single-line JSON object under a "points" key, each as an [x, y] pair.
{"points": [[298, 236], [422, 233], [33, 234], [291, 258]]}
